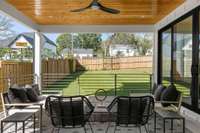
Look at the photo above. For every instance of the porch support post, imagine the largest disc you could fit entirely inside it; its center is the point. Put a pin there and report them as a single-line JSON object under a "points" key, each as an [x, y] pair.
{"points": [[37, 58], [155, 57]]}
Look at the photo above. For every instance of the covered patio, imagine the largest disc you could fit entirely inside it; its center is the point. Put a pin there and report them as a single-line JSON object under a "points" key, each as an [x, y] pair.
{"points": [[175, 25]]}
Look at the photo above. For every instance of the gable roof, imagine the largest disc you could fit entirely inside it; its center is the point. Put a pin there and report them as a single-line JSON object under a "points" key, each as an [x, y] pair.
{"points": [[28, 36]]}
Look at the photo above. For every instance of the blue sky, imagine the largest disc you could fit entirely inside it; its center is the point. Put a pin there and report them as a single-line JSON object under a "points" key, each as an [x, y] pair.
{"points": [[20, 28]]}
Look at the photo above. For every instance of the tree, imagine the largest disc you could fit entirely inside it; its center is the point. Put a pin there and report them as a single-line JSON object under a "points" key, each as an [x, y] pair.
{"points": [[121, 38], [47, 53], [88, 40], [146, 44], [5, 27], [64, 41], [143, 43], [4, 51]]}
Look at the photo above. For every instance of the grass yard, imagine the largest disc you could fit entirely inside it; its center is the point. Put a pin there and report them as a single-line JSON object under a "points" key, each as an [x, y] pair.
{"points": [[125, 81], [88, 82], [121, 82]]}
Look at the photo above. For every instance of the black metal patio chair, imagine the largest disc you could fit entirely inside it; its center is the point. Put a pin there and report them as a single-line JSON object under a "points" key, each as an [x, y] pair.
{"points": [[132, 111], [69, 112]]}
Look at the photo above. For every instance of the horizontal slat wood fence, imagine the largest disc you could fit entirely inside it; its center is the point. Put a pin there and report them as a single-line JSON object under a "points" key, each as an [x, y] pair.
{"points": [[55, 66], [114, 63], [56, 69], [14, 72], [20, 73]]}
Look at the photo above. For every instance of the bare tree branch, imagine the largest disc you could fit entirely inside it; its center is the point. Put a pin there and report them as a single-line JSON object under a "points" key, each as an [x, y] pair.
{"points": [[5, 27]]}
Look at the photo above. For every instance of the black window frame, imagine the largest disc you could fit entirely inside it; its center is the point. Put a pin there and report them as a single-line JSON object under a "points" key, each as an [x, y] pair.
{"points": [[195, 13]]}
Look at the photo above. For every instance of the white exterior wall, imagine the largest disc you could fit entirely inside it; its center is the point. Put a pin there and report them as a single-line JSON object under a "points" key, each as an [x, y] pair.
{"points": [[83, 55], [192, 119], [181, 10], [114, 52]]}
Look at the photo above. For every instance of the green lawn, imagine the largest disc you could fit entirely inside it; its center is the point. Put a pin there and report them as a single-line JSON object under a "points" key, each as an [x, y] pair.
{"points": [[87, 82], [127, 81]]}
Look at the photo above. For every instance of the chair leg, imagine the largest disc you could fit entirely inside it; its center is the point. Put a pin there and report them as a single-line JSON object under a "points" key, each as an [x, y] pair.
{"points": [[115, 128], [140, 130], [58, 130], [147, 130], [85, 129], [108, 127], [91, 127], [52, 131]]}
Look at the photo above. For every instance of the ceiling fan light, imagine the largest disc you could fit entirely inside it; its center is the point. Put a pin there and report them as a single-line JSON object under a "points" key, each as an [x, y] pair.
{"points": [[95, 7]]}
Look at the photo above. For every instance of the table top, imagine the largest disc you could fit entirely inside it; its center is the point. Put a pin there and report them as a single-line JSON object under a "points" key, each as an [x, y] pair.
{"points": [[18, 117], [100, 109], [167, 114]]}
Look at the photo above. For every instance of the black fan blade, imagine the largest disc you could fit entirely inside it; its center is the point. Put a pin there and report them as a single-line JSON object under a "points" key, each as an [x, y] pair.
{"points": [[109, 10], [81, 9]]}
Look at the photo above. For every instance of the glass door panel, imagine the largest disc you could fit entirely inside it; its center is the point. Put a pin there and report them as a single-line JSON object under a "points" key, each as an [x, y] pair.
{"points": [[166, 57], [182, 57]]}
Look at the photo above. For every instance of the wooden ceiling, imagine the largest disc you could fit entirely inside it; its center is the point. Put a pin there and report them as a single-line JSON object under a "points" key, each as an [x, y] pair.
{"points": [[57, 12]]}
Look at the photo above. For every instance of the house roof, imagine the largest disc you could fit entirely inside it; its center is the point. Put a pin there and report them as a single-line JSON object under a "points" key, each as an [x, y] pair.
{"points": [[28, 36]]}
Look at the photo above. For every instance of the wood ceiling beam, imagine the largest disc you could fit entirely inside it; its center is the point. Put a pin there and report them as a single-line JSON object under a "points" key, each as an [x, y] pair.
{"points": [[96, 28]]}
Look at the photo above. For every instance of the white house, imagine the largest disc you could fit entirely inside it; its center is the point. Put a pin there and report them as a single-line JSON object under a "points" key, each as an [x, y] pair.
{"points": [[78, 53], [26, 41], [122, 50]]}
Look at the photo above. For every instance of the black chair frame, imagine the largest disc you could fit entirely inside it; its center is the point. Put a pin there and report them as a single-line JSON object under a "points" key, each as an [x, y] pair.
{"points": [[138, 120], [62, 118]]}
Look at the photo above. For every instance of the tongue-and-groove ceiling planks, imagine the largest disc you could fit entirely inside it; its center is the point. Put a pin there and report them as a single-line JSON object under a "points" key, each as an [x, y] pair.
{"points": [[57, 12]]}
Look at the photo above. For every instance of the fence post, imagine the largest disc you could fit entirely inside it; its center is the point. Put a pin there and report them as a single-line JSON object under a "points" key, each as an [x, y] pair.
{"points": [[111, 63], [150, 82], [115, 84], [79, 85]]}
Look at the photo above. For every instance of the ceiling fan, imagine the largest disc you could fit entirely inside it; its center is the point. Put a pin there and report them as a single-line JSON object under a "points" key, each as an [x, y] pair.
{"points": [[97, 6]]}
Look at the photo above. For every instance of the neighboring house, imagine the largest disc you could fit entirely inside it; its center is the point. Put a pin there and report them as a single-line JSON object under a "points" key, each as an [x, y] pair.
{"points": [[78, 53], [26, 41], [122, 50], [183, 57]]}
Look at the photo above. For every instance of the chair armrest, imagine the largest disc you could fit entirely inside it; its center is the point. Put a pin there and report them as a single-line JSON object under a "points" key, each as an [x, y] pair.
{"points": [[112, 104], [23, 104], [167, 102]]}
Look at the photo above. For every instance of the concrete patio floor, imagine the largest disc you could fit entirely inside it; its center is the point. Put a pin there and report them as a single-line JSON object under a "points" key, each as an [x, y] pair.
{"points": [[98, 127]]}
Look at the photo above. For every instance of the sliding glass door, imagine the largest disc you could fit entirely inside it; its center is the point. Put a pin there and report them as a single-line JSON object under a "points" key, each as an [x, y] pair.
{"points": [[166, 56], [179, 57], [182, 57]]}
